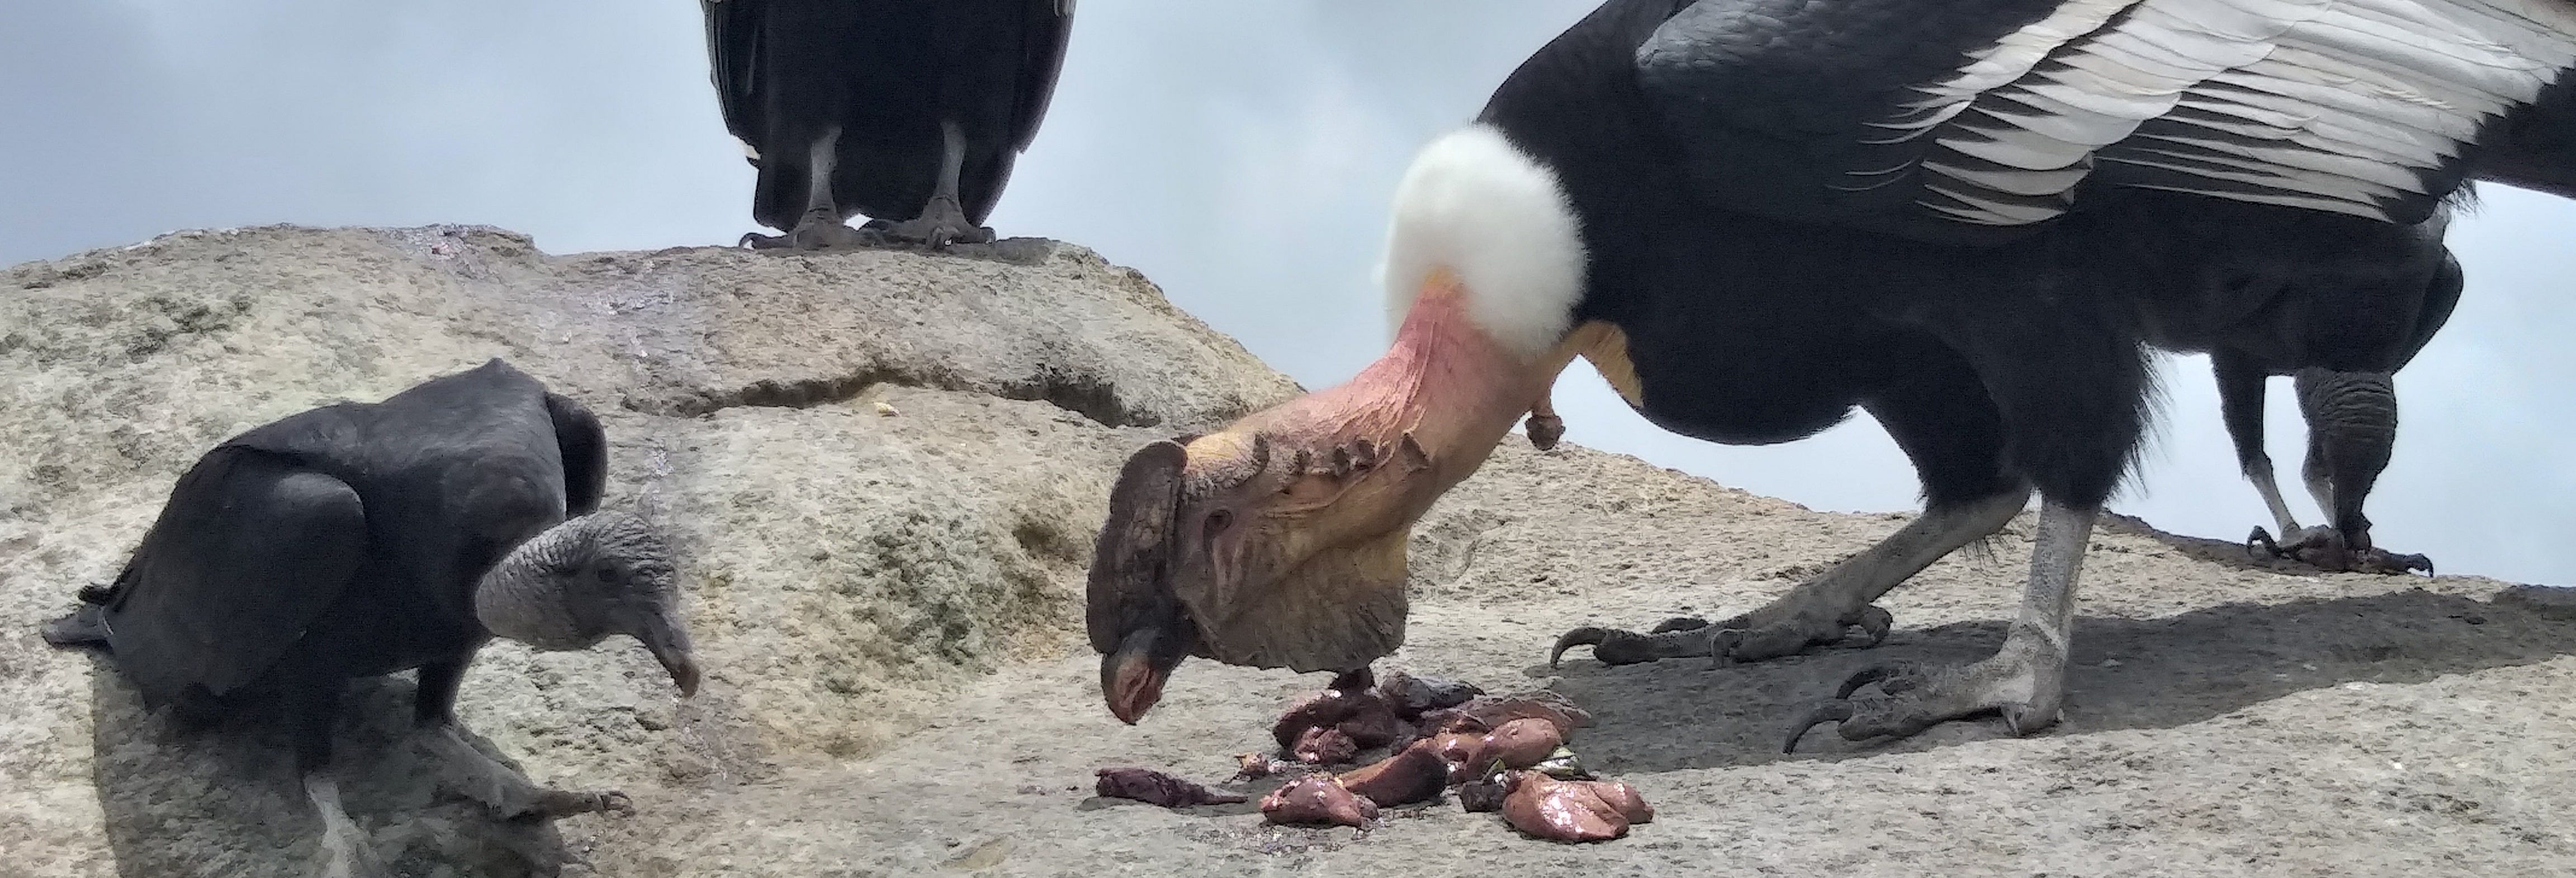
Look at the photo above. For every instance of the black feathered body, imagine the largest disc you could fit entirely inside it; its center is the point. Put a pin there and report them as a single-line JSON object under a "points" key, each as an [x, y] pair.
{"points": [[884, 74], [347, 541], [1762, 298]]}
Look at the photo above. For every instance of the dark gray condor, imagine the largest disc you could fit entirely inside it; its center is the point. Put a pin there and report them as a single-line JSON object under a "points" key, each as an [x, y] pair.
{"points": [[362, 539], [911, 112]]}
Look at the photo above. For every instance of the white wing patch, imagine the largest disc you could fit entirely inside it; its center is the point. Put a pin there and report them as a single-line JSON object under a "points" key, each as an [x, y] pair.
{"points": [[2337, 105]]}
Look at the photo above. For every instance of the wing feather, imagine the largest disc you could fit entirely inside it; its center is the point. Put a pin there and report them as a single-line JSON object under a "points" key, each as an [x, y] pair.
{"points": [[250, 550], [2362, 107]]}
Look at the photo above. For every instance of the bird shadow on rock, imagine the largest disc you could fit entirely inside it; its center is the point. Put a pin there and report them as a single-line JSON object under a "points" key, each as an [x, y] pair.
{"points": [[2125, 674], [227, 800]]}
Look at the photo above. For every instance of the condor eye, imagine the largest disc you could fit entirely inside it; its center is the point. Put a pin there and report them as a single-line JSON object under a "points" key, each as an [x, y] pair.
{"points": [[606, 574], [1219, 520]]}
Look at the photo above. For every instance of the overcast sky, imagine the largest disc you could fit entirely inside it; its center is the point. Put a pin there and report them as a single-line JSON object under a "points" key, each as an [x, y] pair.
{"points": [[1240, 154]]}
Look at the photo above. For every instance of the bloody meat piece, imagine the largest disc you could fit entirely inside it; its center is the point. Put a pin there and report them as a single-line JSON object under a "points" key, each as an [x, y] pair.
{"points": [[1414, 774], [1317, 798], [1155, 787], [1411, 695], [1481, 795], [1366, 719], [1571, 810], [1325, 746], [1520, 743], [1454, 749], [1623, 798], [1260, 765]]}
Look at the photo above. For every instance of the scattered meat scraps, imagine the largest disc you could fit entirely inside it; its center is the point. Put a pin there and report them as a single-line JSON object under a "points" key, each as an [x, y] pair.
{"points": [[1572, 810], [1414, 774], [1361, 718], [1317, 798], [1155, 787], [1520, 743], [1260, 765], [1325, 746], [1492, 713], [1411, 695]]}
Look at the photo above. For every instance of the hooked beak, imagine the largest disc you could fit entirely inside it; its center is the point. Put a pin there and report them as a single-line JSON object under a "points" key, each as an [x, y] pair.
{"points": [[1131, 676], [667, 638]]}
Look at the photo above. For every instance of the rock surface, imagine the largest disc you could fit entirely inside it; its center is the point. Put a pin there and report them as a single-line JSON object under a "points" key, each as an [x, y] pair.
{"points": [[887, 468]]}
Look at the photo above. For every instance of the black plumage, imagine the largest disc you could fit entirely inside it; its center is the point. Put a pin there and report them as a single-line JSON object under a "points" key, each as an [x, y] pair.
{"points": [[1778, 248], [911, 112], [2351, 416], [362, 539], [1972, 219]]}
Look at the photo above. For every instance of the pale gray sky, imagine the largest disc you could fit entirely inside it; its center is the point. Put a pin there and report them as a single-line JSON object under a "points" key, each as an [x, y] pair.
{"points": [[1240, 154]]}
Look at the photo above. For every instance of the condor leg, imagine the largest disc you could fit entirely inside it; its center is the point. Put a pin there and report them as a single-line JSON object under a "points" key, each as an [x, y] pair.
{"points": [[1941, 417], [344, 850], [943, 219], [479, 776], [2025, 680], [822, 226], [2240, 407]]}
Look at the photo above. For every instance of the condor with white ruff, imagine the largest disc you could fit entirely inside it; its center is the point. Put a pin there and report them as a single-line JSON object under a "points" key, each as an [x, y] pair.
{"points": [[1968, 217]]}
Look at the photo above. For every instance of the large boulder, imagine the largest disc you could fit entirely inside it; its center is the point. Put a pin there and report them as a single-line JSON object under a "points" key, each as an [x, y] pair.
{"points": [[887, 469], [884, 468]]}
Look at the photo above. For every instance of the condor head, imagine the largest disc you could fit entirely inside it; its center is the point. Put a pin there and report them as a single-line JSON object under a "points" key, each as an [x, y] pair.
{"points": [[1279, 540]]}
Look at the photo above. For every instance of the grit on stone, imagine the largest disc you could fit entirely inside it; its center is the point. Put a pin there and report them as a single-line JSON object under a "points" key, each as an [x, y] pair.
{"points": [[886, 469]]}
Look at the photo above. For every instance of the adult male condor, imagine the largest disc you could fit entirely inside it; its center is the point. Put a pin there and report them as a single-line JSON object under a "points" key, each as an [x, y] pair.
{"points": [[363, 539], [908, 111], [1968, 217]]}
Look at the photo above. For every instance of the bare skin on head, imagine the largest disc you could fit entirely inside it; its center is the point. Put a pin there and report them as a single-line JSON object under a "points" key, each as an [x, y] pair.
{"points": [[1279, 540]]}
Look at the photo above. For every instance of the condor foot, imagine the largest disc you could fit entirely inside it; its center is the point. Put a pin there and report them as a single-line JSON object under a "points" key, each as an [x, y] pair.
{"points": [[2324, 548], [1917, 696], [940, 224], [1752, 637], [818, 234]]}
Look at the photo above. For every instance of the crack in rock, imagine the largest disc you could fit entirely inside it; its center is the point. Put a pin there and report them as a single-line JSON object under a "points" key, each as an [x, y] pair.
{"points": [[1085, 395]]}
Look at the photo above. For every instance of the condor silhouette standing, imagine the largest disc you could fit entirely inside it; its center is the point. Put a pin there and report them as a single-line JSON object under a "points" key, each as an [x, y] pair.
{"points": [[1968, 217], [908, 111]]}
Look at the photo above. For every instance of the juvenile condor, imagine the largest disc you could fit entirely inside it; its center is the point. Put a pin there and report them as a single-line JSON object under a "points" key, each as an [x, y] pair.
{"points": [[909, 111], [1967, 217], [363, 539]]}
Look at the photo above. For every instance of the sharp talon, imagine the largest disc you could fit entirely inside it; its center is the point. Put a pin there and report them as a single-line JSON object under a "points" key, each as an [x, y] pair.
{"points": [[2263, 538], [1875, 622], [1585, 636], [1680, 623], [1865, 676], [1721, 647], [1829, 712]]}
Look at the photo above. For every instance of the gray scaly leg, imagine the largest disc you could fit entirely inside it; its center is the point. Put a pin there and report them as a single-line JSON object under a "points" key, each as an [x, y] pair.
{"points": [[503, 789], [821, 226], [943, 220], [1820, 610], [2025, 680], [343, 852]]}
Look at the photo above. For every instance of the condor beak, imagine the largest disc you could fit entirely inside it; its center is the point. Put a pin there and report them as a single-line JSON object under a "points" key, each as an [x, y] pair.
{"points": [[667, 638], [1131, 676]]}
